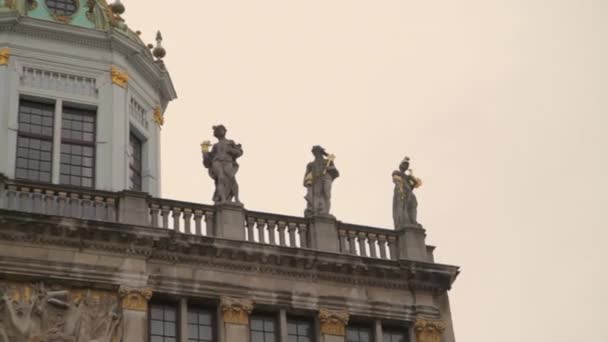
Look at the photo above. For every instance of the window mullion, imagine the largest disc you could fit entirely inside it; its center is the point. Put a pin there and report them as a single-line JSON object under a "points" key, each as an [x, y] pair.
{"points": [[57, 141]]}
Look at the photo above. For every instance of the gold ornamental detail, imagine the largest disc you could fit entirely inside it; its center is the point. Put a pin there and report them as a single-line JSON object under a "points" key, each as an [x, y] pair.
{"points": [[333, 322], [429, 331], [159, 118], [119, 77], [135, 299], [236, 311], [5, 55]]}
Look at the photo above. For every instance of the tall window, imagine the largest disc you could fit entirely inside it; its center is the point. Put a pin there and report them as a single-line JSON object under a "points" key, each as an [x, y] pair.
{"points": [[135, 163], [77, 147], [358, 334], [299, 330], [200, 325], [163, 323], [263, 328], [394, 336], [35, 141]]}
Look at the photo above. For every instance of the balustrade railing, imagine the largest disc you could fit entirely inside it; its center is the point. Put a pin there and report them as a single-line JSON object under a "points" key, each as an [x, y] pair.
{"points": [[184, 217], [367, 241], [58, 200], [276, 230]]}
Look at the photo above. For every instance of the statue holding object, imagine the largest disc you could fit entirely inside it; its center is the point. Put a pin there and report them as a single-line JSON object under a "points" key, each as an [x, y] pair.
{"points": [[220, 160], [318, 179], [405, 205]]}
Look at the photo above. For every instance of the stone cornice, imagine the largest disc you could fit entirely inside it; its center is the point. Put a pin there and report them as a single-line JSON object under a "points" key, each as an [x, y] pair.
{"points": [[161, 245], [136, 53]]}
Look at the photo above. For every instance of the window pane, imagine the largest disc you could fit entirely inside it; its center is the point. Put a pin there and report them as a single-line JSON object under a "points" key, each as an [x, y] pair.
{"points": [[77, 150], [200, 327], [163, 323], [135, 164]]}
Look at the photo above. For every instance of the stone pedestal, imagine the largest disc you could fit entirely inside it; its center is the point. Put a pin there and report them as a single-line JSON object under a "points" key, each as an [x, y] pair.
{"points": [[412, 245], [230, 222], [333, 325], [324, 234], [133, 208], [134, 303], [235, 318], [429, 330]]}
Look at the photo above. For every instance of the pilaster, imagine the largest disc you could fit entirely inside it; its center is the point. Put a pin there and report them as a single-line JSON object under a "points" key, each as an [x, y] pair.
{"points": [[429, 330], [134, 303], [235, 317], [230, 222], [324, 234], [333, 325]]}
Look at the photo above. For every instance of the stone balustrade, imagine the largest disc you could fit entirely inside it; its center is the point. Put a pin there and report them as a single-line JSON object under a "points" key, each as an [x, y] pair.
{"points": [[57, 200], [184, 217], [276, 230], [367, 241]]}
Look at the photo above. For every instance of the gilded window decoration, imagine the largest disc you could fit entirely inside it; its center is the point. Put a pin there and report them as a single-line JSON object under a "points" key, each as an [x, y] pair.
{"points": [[62, 10]]}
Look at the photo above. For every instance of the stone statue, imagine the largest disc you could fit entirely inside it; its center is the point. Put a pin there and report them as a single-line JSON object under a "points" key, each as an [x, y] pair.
{"points": [[318, 179], [405, 205], [222, 165]]}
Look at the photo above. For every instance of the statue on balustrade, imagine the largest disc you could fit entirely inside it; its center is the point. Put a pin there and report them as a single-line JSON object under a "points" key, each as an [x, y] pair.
{"points": [[318, 179], [221, 162], [405, 205]]}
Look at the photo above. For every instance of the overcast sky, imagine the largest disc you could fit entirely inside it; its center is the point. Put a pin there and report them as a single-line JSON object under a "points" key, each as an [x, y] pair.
{"points": [[502, 106]]}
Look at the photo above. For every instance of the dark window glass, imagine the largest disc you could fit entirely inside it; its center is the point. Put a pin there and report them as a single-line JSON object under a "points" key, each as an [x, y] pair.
{"points": [[263, 328], [77, 147], [62, 7], [200, 325], [358, 334], [163, 323], [35, 141], [135, 163], [394, 336], [299, 330]]}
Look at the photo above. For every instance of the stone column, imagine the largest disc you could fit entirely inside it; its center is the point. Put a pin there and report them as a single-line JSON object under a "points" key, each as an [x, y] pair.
{"points": [[230, 222], [3, 204], [133, 208], [412, 245], [134, 303], [429, 330], [235, 315], [333, 325], [324, 234], [378, 336]]}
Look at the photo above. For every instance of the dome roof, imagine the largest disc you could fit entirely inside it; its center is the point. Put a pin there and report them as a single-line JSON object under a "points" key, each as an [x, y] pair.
{"points": [[93, 14]]}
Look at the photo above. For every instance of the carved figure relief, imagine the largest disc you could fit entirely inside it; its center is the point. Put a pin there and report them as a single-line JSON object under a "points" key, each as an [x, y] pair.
{"points": [[120, 78], [41, 313], [405, 205], [333, 322], [318, 179]]}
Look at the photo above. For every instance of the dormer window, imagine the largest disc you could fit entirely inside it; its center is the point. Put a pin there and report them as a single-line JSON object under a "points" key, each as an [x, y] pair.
{"points": [[62, 8]]}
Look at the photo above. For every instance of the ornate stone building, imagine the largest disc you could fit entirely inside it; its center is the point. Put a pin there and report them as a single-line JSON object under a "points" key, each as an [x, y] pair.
{"points": [[90, 253]]}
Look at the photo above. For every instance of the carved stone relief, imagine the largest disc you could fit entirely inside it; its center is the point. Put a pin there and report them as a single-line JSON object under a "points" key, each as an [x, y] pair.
{"points": [[41, 313], [135, 299], [429, 331], [236, 311], [333, 322]]}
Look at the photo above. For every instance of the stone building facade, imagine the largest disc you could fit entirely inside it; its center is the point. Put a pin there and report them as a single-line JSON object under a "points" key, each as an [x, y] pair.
{"points": [[89, 251]]}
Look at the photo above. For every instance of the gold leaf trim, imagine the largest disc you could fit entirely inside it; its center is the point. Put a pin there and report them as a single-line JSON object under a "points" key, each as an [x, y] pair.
{"points": [[429, 330], [5, 55], [119, 77], [135, 299], [236, 311], [333, 322]]}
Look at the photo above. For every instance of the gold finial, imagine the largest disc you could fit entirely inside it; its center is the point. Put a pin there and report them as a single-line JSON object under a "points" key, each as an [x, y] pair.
{"points": [[206, 146], [5, 55], [119, 77], [159, 118]]}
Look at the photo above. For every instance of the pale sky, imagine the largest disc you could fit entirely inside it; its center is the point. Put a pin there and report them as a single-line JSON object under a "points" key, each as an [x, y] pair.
{"points": [[502, 106]]}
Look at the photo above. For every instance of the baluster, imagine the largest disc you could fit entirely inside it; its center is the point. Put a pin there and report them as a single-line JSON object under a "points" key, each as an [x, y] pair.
{"points": [[164, 211], [24, 200], [210, 226], [261, 224], [382, 245], [198, 218], [292, 234], [111, 209], [74, 206], [187, 223], [62, 203], [281, 226], [154, 212], [37, 201], [100, 209], [50, 205], [250, 225], [87, 207], [352, 241], [177, 214], [362, 242], [372, 245], [342, 240], [392, 245], [303, 235], [11, 197], [272, 239]]}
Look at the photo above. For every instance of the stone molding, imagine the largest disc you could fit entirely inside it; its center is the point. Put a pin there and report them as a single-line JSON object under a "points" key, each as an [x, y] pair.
{"points": [[429, 330], [5, 55], [119, 77], [135, 299], [333, 322], [236, 311]]}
